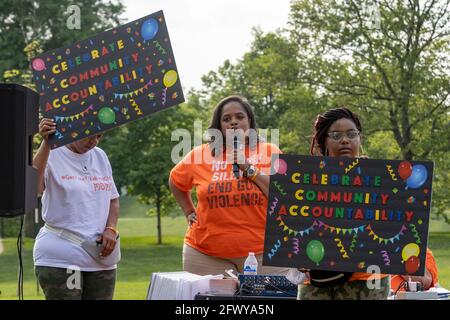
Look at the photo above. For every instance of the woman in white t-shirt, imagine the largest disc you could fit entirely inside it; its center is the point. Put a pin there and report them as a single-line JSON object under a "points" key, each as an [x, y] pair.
{"points": [[80, 202]]}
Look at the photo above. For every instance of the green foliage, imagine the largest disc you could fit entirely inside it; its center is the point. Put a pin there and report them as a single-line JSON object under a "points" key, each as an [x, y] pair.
{"points": [[394, 74], [9, 227], [40, 25]]}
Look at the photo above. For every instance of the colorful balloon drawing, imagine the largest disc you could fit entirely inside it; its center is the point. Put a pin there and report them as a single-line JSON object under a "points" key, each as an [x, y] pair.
{"points": [[280, 166], [411, 249], [404, 169], [412, 264], [418, 177], [149, 29], [170, 78], [106, 115], [315, 251], [38, 64]]}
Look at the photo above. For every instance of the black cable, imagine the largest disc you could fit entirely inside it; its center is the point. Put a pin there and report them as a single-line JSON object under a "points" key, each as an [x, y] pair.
{"points": [[402, 284], [19, 252]]}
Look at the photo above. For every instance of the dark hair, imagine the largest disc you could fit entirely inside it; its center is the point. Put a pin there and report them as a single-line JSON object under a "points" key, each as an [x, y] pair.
{"points": [[324, 121], [217, 115]]}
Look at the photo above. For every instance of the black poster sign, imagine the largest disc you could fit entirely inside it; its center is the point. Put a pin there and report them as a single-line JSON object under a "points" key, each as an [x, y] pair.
{"points": [[347, 214], [115, 77]]}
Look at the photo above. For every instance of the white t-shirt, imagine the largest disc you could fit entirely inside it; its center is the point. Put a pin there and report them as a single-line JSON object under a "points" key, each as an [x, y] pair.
{"points": [[78, 191]]}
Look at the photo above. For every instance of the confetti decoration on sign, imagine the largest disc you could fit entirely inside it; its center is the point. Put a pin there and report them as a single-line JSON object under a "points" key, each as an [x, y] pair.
{"points": [[274, 249], [391, 172], [341, 247], [295, 245], [280, 188], [385, 255], [159, 47], [353, 244], [415, 233], [352, 165], [273, 206], [164, 93], [136, 107], [59, 135]]}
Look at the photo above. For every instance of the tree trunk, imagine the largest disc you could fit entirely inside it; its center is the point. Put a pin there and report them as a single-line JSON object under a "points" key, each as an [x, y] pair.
{"points": [[158, 217]]}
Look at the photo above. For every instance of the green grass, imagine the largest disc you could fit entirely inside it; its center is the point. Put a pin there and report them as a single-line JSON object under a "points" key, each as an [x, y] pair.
{"points": [[142, 227], [141, 256], [131, 208]]}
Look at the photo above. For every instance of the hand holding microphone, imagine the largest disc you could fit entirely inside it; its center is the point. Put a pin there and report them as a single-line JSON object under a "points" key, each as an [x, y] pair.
{"points": [[235, 164]]}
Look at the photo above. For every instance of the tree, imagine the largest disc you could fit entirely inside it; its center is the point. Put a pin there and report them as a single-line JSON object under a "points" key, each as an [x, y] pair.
{"points": [[268, 76], [29, 27], [396, 71], [387, 59], [23, 21]]}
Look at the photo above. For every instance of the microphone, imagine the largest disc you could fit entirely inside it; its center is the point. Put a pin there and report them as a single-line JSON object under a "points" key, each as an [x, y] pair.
{"points": [[235, 165]]}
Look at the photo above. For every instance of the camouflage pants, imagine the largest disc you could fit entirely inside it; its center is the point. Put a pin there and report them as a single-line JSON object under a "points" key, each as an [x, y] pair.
{"points": [[352, 290], [66, 284]]}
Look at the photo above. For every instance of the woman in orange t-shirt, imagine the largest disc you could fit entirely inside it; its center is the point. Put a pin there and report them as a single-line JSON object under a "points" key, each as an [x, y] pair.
{"points": [[337, 133], [231, 187]]}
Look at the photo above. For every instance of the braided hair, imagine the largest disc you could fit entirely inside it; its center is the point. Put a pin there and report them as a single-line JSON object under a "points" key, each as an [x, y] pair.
{"points": [[322, 124]]}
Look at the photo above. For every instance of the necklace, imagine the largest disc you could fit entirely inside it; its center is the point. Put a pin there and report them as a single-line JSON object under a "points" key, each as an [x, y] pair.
{"points": [[84, 168]]}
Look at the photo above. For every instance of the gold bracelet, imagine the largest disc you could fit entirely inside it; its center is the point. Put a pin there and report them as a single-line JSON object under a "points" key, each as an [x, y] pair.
{"points": [[113, 229], [256, 174]]}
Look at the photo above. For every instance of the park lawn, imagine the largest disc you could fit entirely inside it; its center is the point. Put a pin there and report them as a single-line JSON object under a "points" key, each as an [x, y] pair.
{"points": [[141, 256]]}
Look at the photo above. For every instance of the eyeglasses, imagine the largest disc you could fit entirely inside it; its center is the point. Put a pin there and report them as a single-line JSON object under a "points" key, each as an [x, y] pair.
{"points": [[337, 135]]}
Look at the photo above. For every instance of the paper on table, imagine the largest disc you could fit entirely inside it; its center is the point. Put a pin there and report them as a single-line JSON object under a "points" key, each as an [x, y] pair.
{"points": [[180, 285]]}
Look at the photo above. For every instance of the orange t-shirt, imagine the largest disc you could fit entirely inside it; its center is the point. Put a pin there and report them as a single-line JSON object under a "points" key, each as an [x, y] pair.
{"points": [[231, 213], [430, 265]]}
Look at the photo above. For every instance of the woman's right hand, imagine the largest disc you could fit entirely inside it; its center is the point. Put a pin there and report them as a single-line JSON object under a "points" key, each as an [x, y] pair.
{"points": [[46, 128], [191, 218]]}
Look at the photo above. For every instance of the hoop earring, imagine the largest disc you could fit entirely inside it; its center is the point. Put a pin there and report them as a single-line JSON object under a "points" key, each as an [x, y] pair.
{"points": [[326, 152], [362, 150]]}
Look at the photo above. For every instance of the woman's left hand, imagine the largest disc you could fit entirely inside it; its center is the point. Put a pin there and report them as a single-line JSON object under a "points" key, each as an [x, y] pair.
{"points": [[243, 165], [108, 240]]}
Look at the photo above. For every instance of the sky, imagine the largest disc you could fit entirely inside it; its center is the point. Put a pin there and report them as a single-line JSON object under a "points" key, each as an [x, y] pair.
{"points": [[204, 33]]}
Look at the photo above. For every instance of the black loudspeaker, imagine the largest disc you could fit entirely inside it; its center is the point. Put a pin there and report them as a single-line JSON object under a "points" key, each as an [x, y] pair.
{"points": [[19, 119]]}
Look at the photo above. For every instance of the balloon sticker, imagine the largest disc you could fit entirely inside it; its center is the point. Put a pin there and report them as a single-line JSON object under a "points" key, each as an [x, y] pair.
{"points": [[315, 251], [418, 177], [404, 170], [412, 264], [411, 249], [170, 78], [106, 115], [149, 29], [38, 64], [280, 166]]}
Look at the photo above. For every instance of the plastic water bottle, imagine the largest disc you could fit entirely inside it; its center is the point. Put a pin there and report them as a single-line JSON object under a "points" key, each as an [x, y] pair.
{"points": [[251, 264]]}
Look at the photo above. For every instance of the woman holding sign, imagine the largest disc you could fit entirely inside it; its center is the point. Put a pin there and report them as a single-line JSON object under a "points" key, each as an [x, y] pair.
{"points": [[231, 187], [76, 252], [337, 133]]}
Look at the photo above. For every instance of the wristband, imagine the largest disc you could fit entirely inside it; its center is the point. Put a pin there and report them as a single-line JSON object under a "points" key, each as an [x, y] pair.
{"points": [[113, 229]]}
